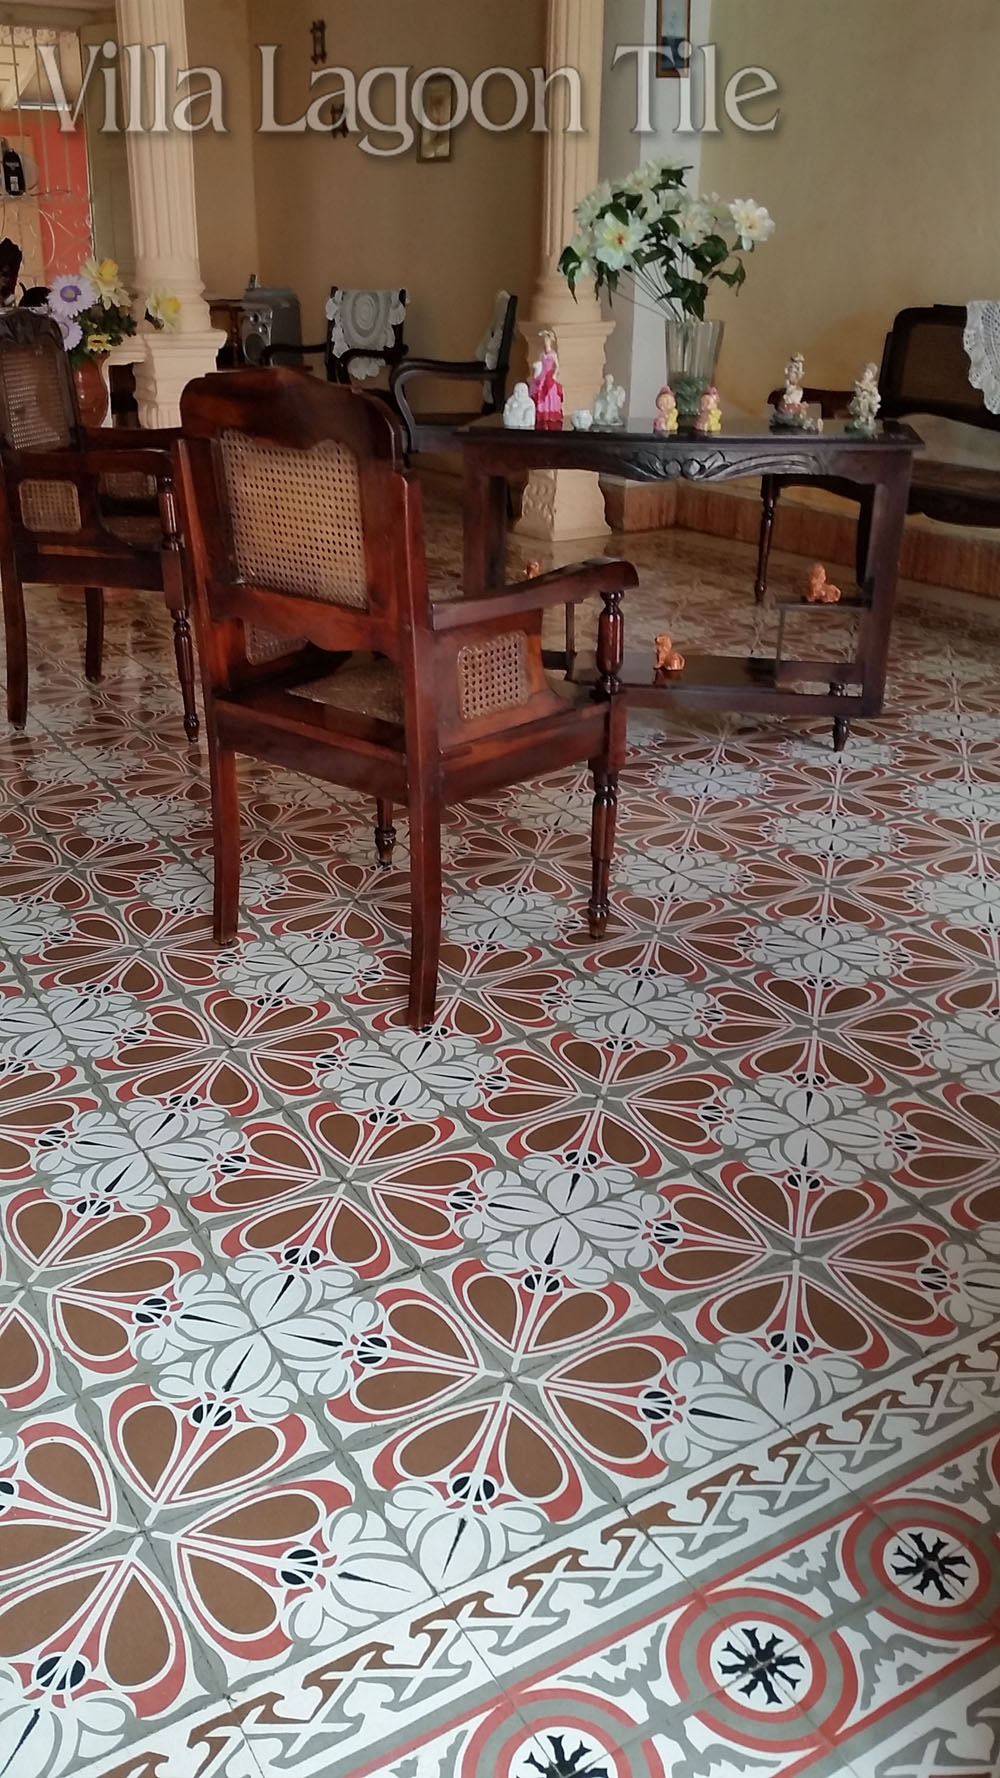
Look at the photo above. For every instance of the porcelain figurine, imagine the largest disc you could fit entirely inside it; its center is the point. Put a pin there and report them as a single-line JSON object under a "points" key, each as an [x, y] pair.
{"points": [[864, 408], [821, 591], [791, 411], [667, 658], [519, 413], [609, 404], [666, 411], [709, 412], [545, 388], [582, 420], [533, 571]]}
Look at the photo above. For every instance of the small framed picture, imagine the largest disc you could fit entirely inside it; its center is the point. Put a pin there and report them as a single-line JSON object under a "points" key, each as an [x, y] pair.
{"points": [[674, 39], [434, 139]]}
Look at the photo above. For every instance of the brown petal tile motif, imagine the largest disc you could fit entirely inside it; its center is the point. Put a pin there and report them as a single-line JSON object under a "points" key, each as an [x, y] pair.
{"points": [[603, 1383]]}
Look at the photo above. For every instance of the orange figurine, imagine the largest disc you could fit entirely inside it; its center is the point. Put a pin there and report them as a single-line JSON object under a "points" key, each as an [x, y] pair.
{"points": [[667, 658], [822, 591], [533, 571]]}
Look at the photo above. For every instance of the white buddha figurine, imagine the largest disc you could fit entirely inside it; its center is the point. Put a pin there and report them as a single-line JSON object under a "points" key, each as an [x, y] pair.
{"points": [[519, 413]]}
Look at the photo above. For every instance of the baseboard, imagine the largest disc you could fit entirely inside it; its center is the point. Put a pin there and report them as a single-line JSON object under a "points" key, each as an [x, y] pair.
{"points": [[936, 555]]}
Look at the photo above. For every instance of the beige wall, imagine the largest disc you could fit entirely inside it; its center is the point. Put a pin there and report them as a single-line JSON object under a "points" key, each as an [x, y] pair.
{"points": [[219, 37], [882, 176], [453, 232]]}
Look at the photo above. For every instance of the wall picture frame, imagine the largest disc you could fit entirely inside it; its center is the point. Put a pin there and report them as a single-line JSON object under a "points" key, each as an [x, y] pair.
{"points": [[440, 101], [674, 39]]}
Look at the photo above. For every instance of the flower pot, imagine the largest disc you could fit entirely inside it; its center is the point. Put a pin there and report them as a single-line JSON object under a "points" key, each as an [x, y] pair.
{"points": [[693, 349], [92, 396]]}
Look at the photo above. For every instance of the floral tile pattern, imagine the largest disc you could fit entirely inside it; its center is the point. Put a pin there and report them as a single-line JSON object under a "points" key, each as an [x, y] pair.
{"points": [[602, 1384]]}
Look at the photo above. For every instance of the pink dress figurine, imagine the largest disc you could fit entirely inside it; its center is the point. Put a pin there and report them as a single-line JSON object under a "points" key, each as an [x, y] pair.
{"points": [[546, 389], [666, 411]]}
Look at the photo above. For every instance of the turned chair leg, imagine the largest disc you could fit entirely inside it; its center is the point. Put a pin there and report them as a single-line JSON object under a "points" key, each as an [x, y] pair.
{"points": [[226, 841], [16, 634], [602, 847], [425, 891], [94, 650], [841, 724], [769, 494], [385, 834], [184, 655]]}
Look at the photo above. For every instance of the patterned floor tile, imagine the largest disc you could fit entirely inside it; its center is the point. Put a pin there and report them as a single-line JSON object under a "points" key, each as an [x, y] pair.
{"points": [[604, 1382]]}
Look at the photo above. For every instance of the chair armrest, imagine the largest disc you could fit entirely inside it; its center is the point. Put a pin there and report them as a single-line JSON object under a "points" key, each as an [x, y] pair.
{"points": [[137, 438], [385, 355], [69, 465], [469, 370], [563, 586], [831, 402], [270, 352]]}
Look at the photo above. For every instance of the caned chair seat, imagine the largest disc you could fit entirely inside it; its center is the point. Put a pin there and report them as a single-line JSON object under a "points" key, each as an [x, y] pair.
{"points": [[323, 652], [142, 533]]}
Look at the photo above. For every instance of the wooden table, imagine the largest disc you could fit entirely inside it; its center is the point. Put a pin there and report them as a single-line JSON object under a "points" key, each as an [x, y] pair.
{"points": [[841, 688]]}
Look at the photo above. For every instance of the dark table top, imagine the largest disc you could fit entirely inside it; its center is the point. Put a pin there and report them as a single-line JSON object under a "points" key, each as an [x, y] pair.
{"points": [[835, 435]]}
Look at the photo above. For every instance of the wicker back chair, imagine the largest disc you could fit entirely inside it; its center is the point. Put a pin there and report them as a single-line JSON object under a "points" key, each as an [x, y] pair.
{"points": [[322, 650], [925, 370], [78, 508], [490, 369]]}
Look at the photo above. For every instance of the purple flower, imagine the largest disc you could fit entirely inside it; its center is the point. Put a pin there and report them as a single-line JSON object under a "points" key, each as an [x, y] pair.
{"points": [[70, 296]]}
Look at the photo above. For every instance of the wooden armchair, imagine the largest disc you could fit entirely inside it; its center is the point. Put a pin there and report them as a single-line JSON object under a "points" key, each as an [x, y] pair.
{"points": [[925, 370], [365, 328], [436, 432], [79, 509], [321, 649]]}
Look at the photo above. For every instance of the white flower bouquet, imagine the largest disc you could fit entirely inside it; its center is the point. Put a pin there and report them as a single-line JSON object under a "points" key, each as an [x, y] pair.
{"points": [[671, 242]]}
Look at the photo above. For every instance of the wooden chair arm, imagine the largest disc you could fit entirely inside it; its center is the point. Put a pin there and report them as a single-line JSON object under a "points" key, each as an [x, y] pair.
{"points": [[388, 355], [563, 586], [70, 466], [133, 438], [466, 371], [269, 353], [831, 402]]}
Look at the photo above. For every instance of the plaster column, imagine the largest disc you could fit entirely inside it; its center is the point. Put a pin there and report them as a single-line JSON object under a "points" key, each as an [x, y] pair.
{"points": [[164, 216], [569, 505]]}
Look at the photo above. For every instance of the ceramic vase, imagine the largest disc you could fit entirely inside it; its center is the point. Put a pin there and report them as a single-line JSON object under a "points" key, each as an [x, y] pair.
{"points": [[92, 397]]}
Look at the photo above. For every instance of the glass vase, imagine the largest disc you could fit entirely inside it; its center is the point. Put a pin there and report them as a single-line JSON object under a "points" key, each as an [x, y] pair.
{"points": [[693, 349]]}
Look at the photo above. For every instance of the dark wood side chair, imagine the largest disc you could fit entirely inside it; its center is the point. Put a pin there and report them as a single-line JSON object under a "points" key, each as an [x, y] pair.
{"points": [[925, 370], [78, 508], [340, 357], [322, 650], [436, 431]]}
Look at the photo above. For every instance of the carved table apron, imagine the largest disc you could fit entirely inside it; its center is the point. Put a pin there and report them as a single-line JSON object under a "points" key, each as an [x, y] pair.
{"points": [[882, 463]]}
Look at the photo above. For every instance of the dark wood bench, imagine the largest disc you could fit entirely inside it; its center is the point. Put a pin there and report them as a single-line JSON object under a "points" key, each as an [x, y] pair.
{"points": [[925, 370]]}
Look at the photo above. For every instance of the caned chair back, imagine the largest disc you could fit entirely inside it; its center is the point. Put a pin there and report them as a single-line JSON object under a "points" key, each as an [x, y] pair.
{"points": [[37, 401], [925, 369], [299, 511]]}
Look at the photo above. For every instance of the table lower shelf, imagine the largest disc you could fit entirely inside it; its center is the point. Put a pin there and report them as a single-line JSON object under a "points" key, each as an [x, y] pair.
{"points": [[735, 682]]}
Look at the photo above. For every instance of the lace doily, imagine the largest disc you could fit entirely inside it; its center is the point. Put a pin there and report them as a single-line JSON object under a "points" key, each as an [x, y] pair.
{"points": [[488, 349], [982, 343], [365, 321]]}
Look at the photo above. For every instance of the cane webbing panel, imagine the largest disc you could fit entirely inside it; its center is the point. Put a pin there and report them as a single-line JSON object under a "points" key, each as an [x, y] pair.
{"points": [[128, 485], [33, 399], [365, 686], [296, 519], [263, 646], [144, 532], [50, 506], [492, 676]]}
